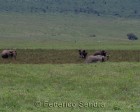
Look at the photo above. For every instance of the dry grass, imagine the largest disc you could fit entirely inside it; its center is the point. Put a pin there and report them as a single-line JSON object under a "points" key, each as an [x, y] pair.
{"points": [[42, 56]]}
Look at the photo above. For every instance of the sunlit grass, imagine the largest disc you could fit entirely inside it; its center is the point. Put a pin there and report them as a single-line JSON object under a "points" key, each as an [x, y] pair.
{"points": [[113, 85]]}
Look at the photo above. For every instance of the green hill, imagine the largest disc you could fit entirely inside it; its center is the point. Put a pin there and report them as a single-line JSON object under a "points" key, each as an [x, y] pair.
{"points": [[121, 8]]}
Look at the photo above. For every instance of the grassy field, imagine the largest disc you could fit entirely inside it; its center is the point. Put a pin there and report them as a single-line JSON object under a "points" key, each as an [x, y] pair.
{"points": [[59, 31], [49, 73], [103, 87]]}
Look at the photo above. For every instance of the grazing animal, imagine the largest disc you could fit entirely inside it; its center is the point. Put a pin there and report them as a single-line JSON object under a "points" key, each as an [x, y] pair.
{"points": [[97, 58], [102, 53], [82, 54], [8, 54]]}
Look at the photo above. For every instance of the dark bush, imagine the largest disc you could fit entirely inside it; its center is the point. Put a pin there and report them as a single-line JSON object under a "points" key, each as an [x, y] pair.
{"points": [[132, 36], [92, 35]]}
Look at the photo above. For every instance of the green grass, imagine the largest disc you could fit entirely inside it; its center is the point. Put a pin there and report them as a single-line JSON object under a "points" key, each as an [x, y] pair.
{"points": [[54, 39], [70, 31], [116, 86]]}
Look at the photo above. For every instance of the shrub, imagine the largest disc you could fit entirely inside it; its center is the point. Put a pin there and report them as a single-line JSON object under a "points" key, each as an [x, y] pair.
{"points": [[132, 36], [92, 35]]}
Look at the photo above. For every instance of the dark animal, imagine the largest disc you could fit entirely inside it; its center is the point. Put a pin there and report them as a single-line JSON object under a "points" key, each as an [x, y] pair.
{"points": [[102, 53], [8, 54], [82, 54], [97, 58]]}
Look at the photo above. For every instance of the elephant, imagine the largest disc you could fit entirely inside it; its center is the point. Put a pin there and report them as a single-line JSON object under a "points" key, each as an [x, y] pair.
{"points": [[8, 54], [102, 52], [82, 54], [97, 58]]}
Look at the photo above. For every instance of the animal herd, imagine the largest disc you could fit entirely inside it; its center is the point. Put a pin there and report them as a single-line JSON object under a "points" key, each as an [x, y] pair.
{"points": [[98, 56]]}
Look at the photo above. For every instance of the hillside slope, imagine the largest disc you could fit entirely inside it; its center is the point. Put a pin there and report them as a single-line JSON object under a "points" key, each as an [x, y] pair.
{"points": [[121, 8]]}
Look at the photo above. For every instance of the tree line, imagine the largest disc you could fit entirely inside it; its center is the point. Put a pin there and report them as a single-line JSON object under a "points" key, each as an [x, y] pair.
{"points": [[97, 7]]}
